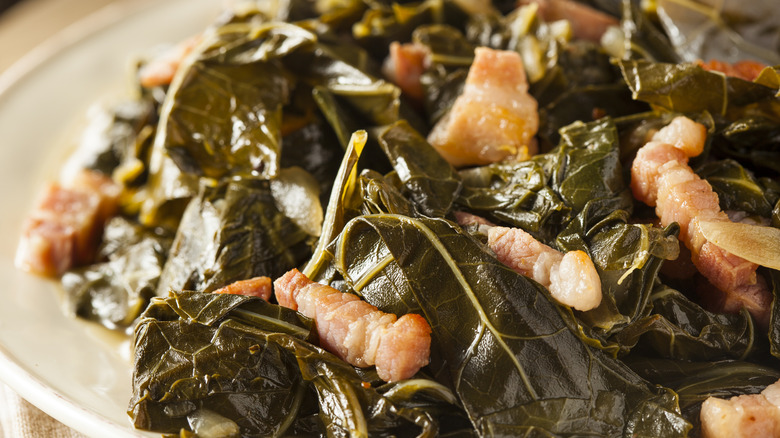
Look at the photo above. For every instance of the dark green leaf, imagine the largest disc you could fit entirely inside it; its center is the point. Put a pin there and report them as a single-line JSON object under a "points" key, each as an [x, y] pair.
{"points": [[725, 31], [680, 329], [116, 291], [428, 180], [232, 232], [687, 88], [491, 326], [226, 360], [736, 187], [222, 120], [696, 381]]}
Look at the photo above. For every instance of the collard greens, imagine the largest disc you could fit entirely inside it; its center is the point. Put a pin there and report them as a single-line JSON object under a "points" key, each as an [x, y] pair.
{"points": [[283, 98]]}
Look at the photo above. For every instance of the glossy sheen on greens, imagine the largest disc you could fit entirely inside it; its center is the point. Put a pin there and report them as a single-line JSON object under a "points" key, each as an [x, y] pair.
{"points": [[283, 94], [116, 291], [510, 354], [250, 361], [232, 232], [428, 180]]}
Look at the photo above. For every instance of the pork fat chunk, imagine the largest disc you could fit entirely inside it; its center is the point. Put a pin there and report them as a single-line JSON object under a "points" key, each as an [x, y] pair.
{"points": [[356, 331], [260, 287], [744, 416], [65, 226], [571, 278], [495, 117], [661, 177], [685, 135], [404, 66]]}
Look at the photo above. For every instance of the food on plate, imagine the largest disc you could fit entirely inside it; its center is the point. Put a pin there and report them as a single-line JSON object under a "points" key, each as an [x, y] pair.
{"points": [[260, 287], [661, 177], [356, 331], [493, 118], [66, 225], [314, 212], [571, 278], [742, 416]]}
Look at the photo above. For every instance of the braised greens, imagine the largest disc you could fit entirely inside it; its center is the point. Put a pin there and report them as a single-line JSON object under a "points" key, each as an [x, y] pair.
{"points": [[279, 144]]}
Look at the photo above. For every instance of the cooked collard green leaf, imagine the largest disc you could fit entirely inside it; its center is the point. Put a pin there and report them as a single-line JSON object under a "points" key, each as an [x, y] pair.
{"points": [[230, 232], [491, 327], [247, 360], [115, 291]]}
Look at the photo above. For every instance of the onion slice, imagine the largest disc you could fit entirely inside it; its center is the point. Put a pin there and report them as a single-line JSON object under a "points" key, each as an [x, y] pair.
{"points": [[754, 243]]}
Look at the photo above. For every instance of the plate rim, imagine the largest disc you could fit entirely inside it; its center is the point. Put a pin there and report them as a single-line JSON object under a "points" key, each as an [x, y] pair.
{"points": [[13, 372]]}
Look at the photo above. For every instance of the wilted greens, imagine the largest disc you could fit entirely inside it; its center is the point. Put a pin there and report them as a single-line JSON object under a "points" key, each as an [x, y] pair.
{"points": [[280, 143]]}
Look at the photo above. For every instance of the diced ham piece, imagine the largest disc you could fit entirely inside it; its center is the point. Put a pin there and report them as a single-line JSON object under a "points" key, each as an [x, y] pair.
{"points": [[747, 70], [356, 331], [260, 287], [685, 135], [744, 416], [464, 218], [571, 278], [586, 23], [495, 117], [404, 66], [64, 229], [646, 170], [661, 177], [161, 69]]}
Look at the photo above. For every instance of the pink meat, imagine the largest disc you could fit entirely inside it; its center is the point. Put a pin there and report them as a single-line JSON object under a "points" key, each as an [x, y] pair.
{"points": [[161, 69], [661, 177], [404, 66], [65, 227], [586, 23], [495, 117], [254, 287], [464, 218], [744, 416], [571, 278], [685, 134], [356, 331], [646, 168]]}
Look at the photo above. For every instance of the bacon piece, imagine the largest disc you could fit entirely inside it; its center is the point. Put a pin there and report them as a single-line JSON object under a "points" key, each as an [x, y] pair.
{"points": [[254, 287], [161, 69], [404, 66], [464, 218], [744, 416], [685, 135], [661, 177], [495, 117], [647, 166], [586, 23], [64, 228], [747, 70], [571, 278], [356, 331]]}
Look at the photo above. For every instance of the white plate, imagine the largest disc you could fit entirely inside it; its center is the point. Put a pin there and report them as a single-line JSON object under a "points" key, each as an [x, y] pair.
{"points": [[74, 371]]}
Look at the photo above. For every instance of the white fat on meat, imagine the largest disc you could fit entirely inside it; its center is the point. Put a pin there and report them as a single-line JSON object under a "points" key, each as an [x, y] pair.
{"points": [[570, 277], [661, 177], [356, 331], [494, 118], [744, 416], [64, 228]]}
